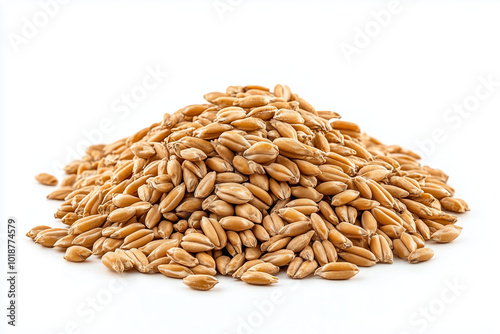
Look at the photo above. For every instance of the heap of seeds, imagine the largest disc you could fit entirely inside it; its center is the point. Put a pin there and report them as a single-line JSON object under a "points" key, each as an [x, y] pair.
{"points": [[247, 183]]}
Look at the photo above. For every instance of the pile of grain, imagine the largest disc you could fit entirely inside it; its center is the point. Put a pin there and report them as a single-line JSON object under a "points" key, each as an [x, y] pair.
{"points": [[250, 182]]}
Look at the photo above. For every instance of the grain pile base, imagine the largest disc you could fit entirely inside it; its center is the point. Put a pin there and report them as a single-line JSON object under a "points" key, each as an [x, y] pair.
{"points": [[248, 183]]}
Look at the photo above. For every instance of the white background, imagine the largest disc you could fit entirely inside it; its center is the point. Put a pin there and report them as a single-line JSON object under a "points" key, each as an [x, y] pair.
{"points": [[63, 81]]}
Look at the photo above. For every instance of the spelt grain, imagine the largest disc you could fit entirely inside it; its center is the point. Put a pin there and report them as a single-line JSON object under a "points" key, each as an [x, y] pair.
{"points": [[258, 278], [200, 282], [47, 179], [77, 254]]}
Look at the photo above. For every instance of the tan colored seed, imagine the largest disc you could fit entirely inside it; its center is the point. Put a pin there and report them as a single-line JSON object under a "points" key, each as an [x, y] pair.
{"points": [[454, 204], [214, 231], [381, 249], [49, 237], [246, 266], [61, 193], [358, 256], [252, 101], [35, 230], [112, 261], [196, 242], [127, 261], [193, 154], [420, 255], [122, 215], [161, 250], [222, 262], [65, 242], [319, 226], [235, 263], [265, 268], [175, 270], [295, 228], [233, 193], [182, 257], [446, 234], [262, 152], [258, 278], [173, 198], [279, 258], [200, 282], [153, 265], [206, 185], [337, 271], [77, 254], [123, 232], [344, 197], [46, 179], [234, 223], [86, 224]]}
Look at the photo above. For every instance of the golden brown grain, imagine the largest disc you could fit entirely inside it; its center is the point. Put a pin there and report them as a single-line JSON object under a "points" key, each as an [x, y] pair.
{"points": [[46, 179], [200, 282], [77, 254]]}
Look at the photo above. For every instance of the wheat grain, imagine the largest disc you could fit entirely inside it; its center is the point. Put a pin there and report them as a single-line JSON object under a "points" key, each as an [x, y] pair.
{"points": [[258, 278], [48, 179], [420, 255], [175, 270], [337, 270], [446, 234], [200, 282], [77, 254]]}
